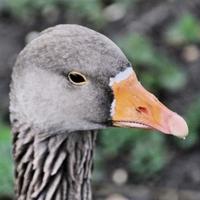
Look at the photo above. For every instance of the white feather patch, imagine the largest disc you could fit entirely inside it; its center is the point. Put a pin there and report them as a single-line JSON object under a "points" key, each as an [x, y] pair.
{"points": [[118, 78], [112, 109], [121, 76]]}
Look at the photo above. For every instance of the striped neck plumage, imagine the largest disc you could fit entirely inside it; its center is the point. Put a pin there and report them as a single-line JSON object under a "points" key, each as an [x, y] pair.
{"points": [[54, 168]]}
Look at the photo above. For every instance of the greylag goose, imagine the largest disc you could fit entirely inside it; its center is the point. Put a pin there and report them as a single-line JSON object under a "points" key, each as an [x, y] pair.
{"points": [[67, 84]]}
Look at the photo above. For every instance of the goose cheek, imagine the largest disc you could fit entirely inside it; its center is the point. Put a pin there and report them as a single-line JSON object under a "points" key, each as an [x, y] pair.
{"points": [[135, 107]]}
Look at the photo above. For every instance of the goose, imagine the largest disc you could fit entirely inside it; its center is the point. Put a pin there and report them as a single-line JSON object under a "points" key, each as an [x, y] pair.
{"points": [[67, 84]]}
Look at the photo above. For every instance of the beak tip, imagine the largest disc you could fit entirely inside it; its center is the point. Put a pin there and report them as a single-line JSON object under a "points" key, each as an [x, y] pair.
{"points": [[178, 126]]}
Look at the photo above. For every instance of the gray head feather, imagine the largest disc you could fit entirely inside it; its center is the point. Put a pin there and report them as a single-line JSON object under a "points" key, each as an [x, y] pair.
{"points": [[42, 96]]}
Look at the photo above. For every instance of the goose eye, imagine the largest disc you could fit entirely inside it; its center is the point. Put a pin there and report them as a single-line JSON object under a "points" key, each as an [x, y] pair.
{"points": [[77, 78]]}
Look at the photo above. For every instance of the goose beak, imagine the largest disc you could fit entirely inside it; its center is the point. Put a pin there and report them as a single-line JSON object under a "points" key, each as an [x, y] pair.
{"points": [[134, 106]]}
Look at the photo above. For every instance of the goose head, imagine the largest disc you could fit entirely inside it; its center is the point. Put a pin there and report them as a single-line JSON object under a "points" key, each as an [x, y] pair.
{"points": [[71, 78]]}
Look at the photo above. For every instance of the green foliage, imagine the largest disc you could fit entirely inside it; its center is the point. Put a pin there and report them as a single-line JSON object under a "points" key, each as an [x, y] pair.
{"points": [[183, 31], [160, 70], [192, 118], [146, 151], [91, 9], [149, 154], [88, 9], [27, 8], [113, 139], [4, 133], [6, 165]]}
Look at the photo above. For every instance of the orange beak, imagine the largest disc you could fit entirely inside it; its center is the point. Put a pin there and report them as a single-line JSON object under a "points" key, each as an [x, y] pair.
{"points": [[133, 106]]}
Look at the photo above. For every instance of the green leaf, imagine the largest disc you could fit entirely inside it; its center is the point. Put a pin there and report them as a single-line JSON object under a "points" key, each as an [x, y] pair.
{"points": [[6, 164], [149, 155], [158, 70], [113, 139], [185, 30], [173, 79], [5, 134]]}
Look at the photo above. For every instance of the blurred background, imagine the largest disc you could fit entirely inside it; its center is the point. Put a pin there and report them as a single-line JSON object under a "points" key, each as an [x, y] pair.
{"points": [[162, 40]]}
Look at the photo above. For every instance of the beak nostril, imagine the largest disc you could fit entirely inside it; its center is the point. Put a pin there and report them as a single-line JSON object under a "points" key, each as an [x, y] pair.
{"points": [[142, 109]]}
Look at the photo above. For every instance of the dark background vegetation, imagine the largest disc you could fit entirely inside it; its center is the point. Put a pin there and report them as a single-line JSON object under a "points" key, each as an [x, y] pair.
{"points": [[162, 40]]}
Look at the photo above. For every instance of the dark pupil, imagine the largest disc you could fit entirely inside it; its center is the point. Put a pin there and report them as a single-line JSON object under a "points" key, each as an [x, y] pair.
{"points": [[76, 78]]}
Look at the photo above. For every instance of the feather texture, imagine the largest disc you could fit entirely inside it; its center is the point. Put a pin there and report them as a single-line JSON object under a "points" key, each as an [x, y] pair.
{"points": [[54, 168]]}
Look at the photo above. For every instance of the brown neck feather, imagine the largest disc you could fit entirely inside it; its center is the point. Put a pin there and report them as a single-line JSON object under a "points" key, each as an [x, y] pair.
{"points": [[55, 168]]}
